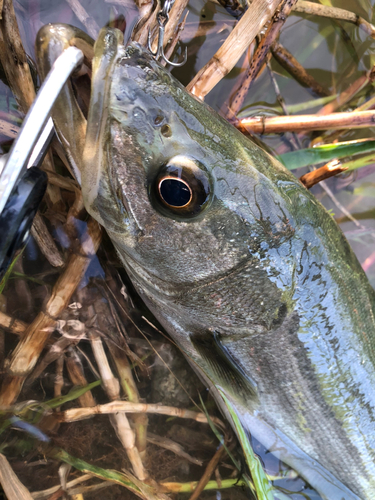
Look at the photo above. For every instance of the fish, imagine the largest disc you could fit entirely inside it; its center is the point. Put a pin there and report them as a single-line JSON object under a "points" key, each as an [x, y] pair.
{"points": [[240, 263]]}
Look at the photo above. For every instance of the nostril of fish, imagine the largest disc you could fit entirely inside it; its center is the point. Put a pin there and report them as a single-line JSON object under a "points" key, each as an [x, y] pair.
{"points": [[139, 114]]}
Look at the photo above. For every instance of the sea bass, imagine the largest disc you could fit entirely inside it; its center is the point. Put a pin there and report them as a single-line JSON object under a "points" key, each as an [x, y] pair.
{"points": [[243, 267]]}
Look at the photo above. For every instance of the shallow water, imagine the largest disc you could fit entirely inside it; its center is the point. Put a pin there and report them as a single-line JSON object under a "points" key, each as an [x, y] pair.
{"points": [[336, 56]]}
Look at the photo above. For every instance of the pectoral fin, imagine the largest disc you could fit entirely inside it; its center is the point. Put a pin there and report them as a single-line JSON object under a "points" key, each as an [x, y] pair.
{"points": [[223, 370]]}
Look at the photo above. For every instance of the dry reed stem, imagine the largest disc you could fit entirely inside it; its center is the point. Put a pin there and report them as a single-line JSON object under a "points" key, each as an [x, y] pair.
{"points": [[126, 406], [13, 59], [45, 242], [296, 70], [277, 22], [211, 466], [12, 324], [229, 53], [334, 13], [174, 16], [77, 376], [333, 136], [280, 124], [26, 354], [119, 419], [61, 181], [349, 93], [140, 33], [332, 168], [59, 378], [8, 129], [12, 486], [82, 492], [130, 389], [40, 495], [17, 71], [174, 40], [172, 446], [89, 23], [218, 477], [54, 353]]}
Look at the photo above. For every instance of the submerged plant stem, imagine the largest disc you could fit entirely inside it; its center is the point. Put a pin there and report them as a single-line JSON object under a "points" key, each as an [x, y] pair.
{"points": [[211, 466], [296, 70], [272, 32], [334, 13]]}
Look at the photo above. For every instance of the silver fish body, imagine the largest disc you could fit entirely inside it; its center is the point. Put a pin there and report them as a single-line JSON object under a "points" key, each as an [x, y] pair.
{"points": [[251, 276]]}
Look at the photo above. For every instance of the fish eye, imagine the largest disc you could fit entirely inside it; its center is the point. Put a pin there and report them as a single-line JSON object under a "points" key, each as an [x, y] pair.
{"points": [[182, 187], [175, 192]]}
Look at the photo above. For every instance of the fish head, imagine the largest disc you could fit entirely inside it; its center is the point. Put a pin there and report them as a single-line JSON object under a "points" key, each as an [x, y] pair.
{"points": [[183, 195]]}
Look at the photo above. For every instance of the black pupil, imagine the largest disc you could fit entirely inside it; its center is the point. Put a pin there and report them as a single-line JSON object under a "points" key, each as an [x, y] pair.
{"points": [[174, 192]]}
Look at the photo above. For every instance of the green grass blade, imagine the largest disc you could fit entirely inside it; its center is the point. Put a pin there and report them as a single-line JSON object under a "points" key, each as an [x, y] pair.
{"points": [[221, 440], [360, 162], [122, 478], [262, 486], [8, 272], [219, 436], [326, 152], [73, 394]]}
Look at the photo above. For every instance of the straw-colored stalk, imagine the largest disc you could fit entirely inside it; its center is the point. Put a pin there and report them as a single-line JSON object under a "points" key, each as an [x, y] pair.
{"points": [[141, 30], [280, 124], [13, 58], [26, 354], [40, 495], [130, 389], [119, 419], [13, 325], [12, 486], [59, 378], [333, 136], [234, 46], [61, 181], [75, 414], [172, 446], [45, 242]]}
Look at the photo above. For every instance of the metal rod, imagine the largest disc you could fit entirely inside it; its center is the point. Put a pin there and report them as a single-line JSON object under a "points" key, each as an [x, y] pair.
{"points": [[36, 120]]}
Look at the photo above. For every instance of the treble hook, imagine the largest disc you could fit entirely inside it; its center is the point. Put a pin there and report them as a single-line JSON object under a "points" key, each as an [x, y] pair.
{"points": [[162, 18]]}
